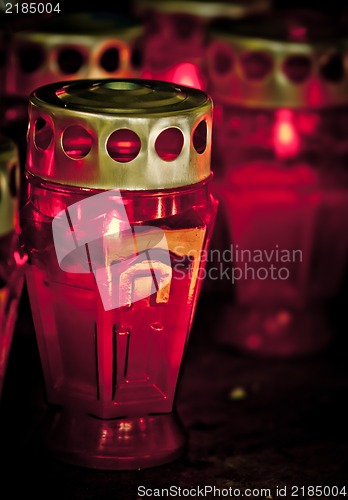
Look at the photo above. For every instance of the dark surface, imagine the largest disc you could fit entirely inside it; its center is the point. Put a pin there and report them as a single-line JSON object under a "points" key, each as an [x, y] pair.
{"points": [[289, 429]]}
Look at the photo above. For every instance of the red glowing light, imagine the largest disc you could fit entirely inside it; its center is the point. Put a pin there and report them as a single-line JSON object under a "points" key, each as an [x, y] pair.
{"points": [[77, 142], [298, 33], [125, 362], [315, 95], [20, 259], [169, 144], [286, 138], [254, 341], [188, 74], [11, 114], [123, 145], [308, 122]]}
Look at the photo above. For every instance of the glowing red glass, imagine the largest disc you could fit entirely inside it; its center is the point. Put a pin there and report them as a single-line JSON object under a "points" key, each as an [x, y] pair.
{"points": [[285, 192], [12, 259], [114, 373], [11, 283]]}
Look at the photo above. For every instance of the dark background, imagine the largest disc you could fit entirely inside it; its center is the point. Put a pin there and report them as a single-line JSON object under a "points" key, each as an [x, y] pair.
{"points": [[288, 428]]}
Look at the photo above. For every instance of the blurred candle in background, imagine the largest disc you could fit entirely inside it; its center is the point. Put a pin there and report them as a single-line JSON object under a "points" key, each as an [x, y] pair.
{"points": [[280, 89], [11, 258], [63, 47], [175, 32], [69, 47], [113, 278]]}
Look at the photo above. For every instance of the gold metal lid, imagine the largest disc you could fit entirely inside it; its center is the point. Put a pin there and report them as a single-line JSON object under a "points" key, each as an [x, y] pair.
{"points": [[205, 8], [9, 185], [73, 46], [285, 59], [128, 134]]}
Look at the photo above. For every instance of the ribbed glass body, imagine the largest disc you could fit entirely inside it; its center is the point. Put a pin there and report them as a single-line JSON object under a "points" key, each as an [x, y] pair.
{"points": [[124, 361]]}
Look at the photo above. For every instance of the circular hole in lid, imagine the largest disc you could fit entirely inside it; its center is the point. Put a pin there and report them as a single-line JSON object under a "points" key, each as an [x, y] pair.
{"points": [[169, 144], [43, 134], [70, 60], [332, 68], [110, 59], [123, 145], [223, 62], [76, 142], [30, 58], [121, 85], [297, 68], [200, 137], [256, 65]]}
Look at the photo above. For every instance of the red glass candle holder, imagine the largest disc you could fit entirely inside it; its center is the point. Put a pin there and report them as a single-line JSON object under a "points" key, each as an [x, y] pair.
{"points": [[119, 212], [63, 47], [11, 258], [281, 138], [72, 46], [175, 33]]}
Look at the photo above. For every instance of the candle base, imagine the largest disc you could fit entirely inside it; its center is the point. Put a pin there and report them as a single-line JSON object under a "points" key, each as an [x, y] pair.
{"points": [[115, 444], [278, 332]]}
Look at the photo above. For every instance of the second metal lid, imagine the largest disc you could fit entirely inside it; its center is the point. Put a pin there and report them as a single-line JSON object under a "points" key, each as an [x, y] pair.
{"points": [[205, 9], [287, 59], [70, 47]]}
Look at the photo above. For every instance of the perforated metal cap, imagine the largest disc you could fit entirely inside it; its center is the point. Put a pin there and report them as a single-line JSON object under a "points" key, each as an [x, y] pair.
{"points": [[9, 185], [288, 58], [73, 46], [205, 8], [127, 134]]}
